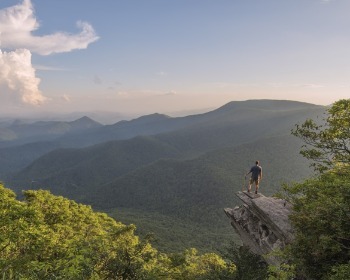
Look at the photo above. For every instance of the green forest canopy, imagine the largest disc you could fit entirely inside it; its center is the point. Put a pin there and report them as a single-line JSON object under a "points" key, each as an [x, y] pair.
{"points": [[50, 237], [321, 205]]}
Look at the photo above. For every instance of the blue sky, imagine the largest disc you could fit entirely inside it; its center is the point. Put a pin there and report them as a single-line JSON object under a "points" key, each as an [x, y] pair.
{"points": [[145, 56]]}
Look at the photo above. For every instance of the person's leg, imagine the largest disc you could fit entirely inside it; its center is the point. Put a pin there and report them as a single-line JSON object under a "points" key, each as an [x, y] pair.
{"points": [[250, 185], [256, 186]]}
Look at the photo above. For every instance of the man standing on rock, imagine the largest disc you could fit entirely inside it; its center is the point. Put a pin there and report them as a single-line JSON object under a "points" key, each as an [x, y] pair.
{"points": [[256, 176]]}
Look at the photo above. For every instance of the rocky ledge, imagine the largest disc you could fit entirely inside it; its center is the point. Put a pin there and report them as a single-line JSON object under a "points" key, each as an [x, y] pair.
{"points": [[262, 223]]}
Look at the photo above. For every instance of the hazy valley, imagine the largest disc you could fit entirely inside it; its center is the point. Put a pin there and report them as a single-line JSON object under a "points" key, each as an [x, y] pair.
{"points": [[169, 176]]}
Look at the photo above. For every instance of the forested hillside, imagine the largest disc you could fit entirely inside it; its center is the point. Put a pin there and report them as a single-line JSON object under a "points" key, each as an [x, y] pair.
{"points": [[197, 190], [321, 205], [232, 124], [50, 237], [180, 200], [186, 176]]}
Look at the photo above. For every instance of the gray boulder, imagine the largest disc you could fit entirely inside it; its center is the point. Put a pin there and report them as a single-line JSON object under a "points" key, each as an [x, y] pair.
{"points": [[262, 223]]}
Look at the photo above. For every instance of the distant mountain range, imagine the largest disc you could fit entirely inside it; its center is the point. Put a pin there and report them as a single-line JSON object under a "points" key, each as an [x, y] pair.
{"points": [[184, 169], [20, 132]]}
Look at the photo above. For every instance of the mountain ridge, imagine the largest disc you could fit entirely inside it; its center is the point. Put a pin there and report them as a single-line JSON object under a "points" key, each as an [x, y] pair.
{"points": [[185, 168], [157, 124]]}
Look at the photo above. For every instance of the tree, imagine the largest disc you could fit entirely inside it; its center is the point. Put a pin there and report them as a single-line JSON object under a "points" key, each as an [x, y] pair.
{"points": [[50, 237], [321, 205], [321, 221], [327, 144], [190, 265], [249, 265], [340, 272]]}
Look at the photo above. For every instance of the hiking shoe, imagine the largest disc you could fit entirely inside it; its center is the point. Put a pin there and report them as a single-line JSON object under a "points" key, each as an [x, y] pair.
{"points": [[256, 192]]}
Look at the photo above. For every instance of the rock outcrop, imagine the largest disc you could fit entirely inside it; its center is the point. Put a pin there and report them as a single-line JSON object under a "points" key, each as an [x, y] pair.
{"points": [[262, 223]]}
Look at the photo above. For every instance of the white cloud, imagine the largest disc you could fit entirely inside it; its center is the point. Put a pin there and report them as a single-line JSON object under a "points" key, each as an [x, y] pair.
{"points": [[312, 86], [18, 22], [122, 94], [284, 85], [66, 98], [48, 68], [170, 93], [17, 75]]}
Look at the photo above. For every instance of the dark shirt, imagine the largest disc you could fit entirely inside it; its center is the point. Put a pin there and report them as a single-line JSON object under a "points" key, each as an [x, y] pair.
{"points": [[256, 171]]}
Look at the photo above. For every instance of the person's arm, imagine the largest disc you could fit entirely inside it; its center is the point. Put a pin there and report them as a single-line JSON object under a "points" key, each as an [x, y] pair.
{"points": [[247, 173], [261, 174]]}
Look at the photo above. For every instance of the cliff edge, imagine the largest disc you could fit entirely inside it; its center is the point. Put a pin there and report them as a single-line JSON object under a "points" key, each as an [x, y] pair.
{"points": [[262, 223]]}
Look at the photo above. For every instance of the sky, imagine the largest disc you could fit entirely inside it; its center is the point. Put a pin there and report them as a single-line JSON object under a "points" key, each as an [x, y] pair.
{"points": [[166, 56]]}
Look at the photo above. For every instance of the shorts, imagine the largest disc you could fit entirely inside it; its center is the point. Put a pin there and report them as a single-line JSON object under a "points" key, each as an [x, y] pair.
{"points": [[253, 180]]}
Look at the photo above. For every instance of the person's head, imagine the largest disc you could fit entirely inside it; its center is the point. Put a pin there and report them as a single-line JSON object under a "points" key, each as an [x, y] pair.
{"points": [[257, 162]]}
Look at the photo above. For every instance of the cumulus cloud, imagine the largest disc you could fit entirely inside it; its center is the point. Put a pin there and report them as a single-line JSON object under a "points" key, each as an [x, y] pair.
{"points": [[18, 22], [17, 75]]}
